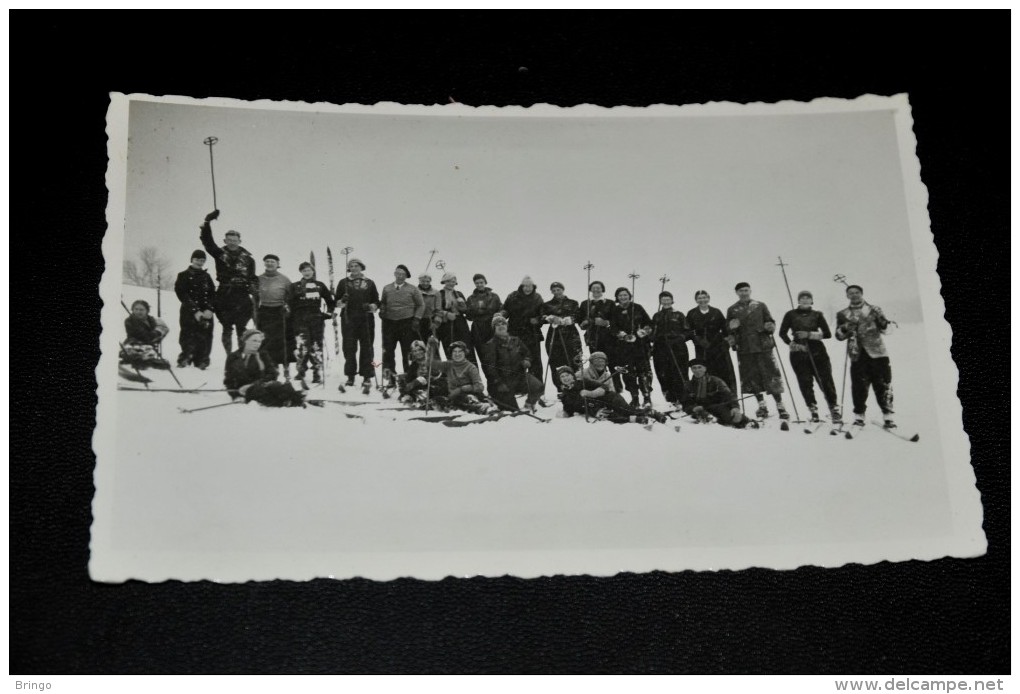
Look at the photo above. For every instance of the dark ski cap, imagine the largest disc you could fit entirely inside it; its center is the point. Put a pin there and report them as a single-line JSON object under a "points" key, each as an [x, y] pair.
{"points": [[741, 285], [556, 284], [665, 293], [304, 265], [407, 273], [696, 362], [271, 256], [479, 276], [802, 293], [198, 254]]}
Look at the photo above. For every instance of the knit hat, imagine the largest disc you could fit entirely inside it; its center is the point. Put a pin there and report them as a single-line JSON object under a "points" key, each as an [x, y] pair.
{"points": [[271, 256], [248, 333], [855, 286], [458, 344], [358, 261], [665, 293], [418, 344], [305, 264], [527, 280], [804, 293], [407, 273], [198, 254], [741, 285], [424, 276], [621, 289], [556, 284], [598, 355], [448, 277], [499, 320], [479, 276]]}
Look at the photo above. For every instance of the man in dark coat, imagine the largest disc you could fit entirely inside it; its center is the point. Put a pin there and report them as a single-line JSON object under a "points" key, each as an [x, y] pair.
{"points": [[669, 348], [523, 309], [482, 305], [505, 363], [235, 272], [562, 339], [358, 299], [709, 396], [749, 329], [195, 290], [808, 356]]}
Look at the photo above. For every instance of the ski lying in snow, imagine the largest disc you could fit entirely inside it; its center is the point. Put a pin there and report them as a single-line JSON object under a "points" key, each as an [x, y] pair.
{"points": [[200, 389], [436, 418], [210, 407], [881, 425], [495, 416]]}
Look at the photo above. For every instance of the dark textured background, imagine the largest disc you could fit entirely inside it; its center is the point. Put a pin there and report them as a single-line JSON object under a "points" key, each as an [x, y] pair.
{"points": [[940, 617]]}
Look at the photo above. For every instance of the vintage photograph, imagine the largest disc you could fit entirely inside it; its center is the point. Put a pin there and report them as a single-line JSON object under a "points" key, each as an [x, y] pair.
{"points": [[384, 341]]}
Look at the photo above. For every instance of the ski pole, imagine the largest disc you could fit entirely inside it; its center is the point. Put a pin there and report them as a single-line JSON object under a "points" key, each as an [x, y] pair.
{"points": [[783, 368], [212, 173], [432, 254], [210, 407]]}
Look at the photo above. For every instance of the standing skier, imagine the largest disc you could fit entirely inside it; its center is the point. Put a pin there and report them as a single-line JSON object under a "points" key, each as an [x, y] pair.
{"points": [[630, 324], [358, 299], [272, 307], [195, 290], [505, 362], [708, 395], [594, 313], [306, 298], [430, 297], [670, 334], [749, 329], [523, 309], [448, 321], [863, 325], [400, 310], [562, 339], [482, 305], [808, 356], [235, 272], [708, 325]]}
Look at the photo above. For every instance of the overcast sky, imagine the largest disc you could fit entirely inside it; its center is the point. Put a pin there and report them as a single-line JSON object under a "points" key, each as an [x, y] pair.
{"points": [[709, 201]]}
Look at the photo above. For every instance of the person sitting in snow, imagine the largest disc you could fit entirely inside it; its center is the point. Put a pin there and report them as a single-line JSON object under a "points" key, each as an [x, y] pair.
{"points": [[413, 385], [591, 391], [709, 396], [144, 335], [506, 362], [251, 374], [460, 385]]}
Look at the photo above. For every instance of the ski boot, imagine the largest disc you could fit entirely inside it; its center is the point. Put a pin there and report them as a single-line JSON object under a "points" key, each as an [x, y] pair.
{"points": [[835, 414], [814, 414], [366, 387], [762, 412], [858, 420], [646, 400], [316, 377], [781, 409], [634, 400], [183, 361], [202, 365], [888, 422], [657, 416]]}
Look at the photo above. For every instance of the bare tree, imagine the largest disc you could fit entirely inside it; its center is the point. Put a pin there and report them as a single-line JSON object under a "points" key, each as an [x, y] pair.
{"points": [[149, 267]]}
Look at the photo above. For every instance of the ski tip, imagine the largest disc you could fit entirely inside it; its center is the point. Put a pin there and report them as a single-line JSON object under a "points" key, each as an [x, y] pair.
{"points": [[785, 426], [915, 438], [848, 435]]}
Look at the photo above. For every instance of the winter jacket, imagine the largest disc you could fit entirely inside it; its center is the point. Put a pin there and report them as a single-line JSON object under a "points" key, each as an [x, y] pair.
{"points": [[599, 309], [463, 375], [195, 290], [521, 309], [306, 297], [243, 370], [707, 390], [482, 305], [145, 331], [233, 268], [502, 359], [401, 303], [590, 380], [870, 324], [669, 327], [449, 310], [430, 298], [620, 320], [751, 336], [707, 327], [807, 320], [356, 295]]}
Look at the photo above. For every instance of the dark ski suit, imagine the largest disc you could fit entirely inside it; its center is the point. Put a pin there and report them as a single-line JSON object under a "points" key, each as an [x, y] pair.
{"points": [[235, 273], [810, 355], [195, 290]]}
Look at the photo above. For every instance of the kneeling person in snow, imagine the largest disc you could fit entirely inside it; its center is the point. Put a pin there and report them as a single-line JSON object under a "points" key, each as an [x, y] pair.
{"points": [[251, 374], [709, 395], [505, 361], [414, 384], [144, 334]]}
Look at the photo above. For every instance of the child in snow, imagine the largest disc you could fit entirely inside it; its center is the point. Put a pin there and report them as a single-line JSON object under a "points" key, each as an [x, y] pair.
{"points": [[144, 335]]}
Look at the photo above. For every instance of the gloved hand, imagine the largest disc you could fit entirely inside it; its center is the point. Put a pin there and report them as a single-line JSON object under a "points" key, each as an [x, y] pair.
{"points": [[643, 332], [602, 322], [621, 335], [372, 308], [736, 414], [769, 326], [212, 215], [630, 338], [731, 341], [734, 323], [567, 321], [585, 393], [554, 320], [454, 392], [207, 314], [526, 364], [421, 381], [533, 321]]}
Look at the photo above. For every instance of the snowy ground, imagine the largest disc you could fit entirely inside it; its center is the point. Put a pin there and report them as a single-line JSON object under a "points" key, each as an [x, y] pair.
{"points": [[245, 492]]}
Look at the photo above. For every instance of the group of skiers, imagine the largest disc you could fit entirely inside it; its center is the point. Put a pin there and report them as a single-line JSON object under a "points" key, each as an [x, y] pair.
{"points": [[504, 339]]}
